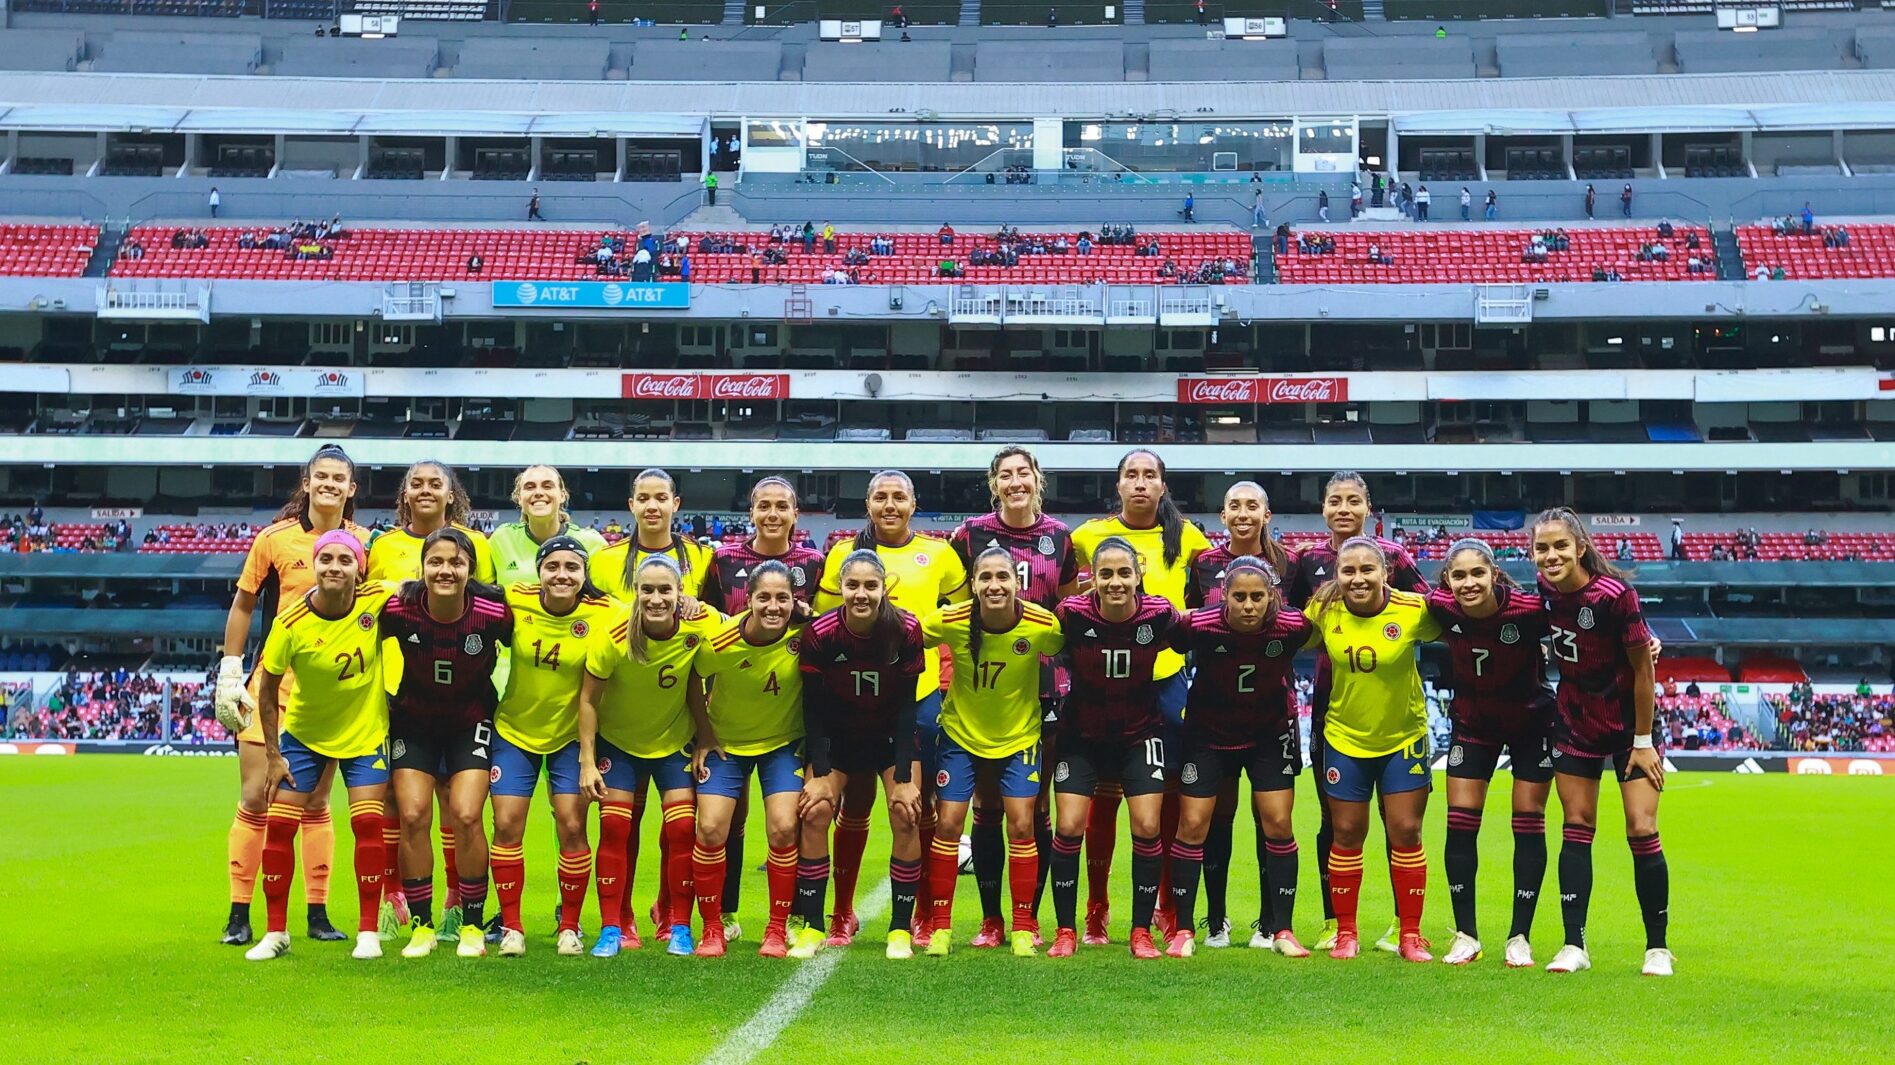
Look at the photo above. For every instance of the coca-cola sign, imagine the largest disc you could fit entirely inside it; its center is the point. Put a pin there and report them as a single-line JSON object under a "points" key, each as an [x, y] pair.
{"points": [[660, 386], [1218, 389], [724, 386], [749, 386], [1307, 390], [1242, 390]]}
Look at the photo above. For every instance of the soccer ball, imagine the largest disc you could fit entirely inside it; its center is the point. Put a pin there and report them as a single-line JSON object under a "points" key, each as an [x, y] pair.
{"points": [[967, 856]]}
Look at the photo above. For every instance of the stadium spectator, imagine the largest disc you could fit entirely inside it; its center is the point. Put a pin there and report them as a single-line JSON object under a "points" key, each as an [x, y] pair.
{"points": [[1677, 540], [828, 238], [1322, 204], [1259, 219], [1052, 18], [898, 17], [1467, 204], [533, 208], [1355, 200], [475, 264], [1493, 205], [1422, 199], [1625, 199], [1200, 9], [1763, 272], [710, 180], [1592, 197], [217, 200], [1190, 207], [1809, 219]]}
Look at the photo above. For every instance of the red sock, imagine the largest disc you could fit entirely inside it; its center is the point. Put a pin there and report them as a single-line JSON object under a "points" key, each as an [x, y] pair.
{"points": [[391, 851], [612, 863], [944, 865], [509, 880], [1023, 879], [319, 851], [1345, 885], [677, 834], [1167, 835], [246, 852], [707, 873], [924, 891], [575, 868], [782, 877], [279, 862], [365, 823], [1102, 835], [851, 839], [628, 920], [450, 892], [1408, 871], [662, 906]]}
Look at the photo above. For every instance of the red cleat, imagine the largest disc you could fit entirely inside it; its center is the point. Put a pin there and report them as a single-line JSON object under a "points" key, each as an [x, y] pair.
{"points": [[1142, 945], [1098, 915], [660, 925], [842, 929], [1164, 922], [712, 945], [1037, 941], [1065, 941], [1414, 948], [1348, 945], [775, 941], [628, 937], [1289, 946], [922, 933], [1181, 944], [992, 933]]}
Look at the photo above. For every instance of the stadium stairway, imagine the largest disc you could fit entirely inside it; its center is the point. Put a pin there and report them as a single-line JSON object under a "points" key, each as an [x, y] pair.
{"points": [[970, 12], [719, 217], [1730, 258], [733, 13], [1263, 253], [105, 250], [1134, 11]]}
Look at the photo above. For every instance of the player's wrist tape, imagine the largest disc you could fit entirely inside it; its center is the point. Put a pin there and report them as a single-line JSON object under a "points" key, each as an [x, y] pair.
{"points": [[1642, 741]]}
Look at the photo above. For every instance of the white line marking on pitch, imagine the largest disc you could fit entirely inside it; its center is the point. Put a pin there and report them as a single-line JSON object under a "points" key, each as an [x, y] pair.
{"points": [[757, 1033]]}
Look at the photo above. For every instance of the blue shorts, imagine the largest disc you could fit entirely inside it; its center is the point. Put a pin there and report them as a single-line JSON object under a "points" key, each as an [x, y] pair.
{"points": [[778, 771], [928, 732], [306, 766], [623, 772], [954, 777], [1172, 693], [516, 771], [1350, 779]]}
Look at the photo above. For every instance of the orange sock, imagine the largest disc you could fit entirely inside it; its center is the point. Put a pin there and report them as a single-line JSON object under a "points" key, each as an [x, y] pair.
{"points": [[319, 851], [509, 880], [1408, 871], [246, 852]]}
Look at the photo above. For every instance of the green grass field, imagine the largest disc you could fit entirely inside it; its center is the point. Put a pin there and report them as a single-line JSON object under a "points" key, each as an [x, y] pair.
{"points": [[112, 890]]}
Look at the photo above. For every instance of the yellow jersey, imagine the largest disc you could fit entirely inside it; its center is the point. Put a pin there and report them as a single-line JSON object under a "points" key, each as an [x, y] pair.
{"points": [[922, 574], [338, 709], [1375, 701], [993, 706], [757, 695], [396, 556], [540, 711], [1160, 579], [279, 569], [643, 710], [607, 567]]}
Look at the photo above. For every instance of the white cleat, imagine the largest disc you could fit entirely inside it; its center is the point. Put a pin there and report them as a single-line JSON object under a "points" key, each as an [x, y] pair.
{"points": [[1387, 942], [1260, 939], [368, 946], [1519, 953], [512, 943], [570, 945], [1570, 959], [732, 930], [1219, 937], [272, 946], [1657, 962], [1464, 949]]}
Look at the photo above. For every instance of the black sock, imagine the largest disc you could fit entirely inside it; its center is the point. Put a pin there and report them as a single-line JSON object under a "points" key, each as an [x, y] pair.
{"points": [[1065, 876], [1043, 835], [734, 866], [318, 912], [1325, 839], [1529, 870], [1575, 881], [812, 887], [1148, 863], [904, 880], [420, 893], [990, 860], [1187, 860], [1216, 859], [1462, 859], [1266, 878], [1280, 862], [240, 911], [1652, 877]]}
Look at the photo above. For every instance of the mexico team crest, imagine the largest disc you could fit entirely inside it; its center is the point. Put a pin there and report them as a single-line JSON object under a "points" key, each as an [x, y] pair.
{"points": [[1045, 546], [472, 645], [1020, 646], [1585, 617], [1273, 649], [1391, 632], [798, 577], [1144, 635], [1509, 633], [580, 628]]}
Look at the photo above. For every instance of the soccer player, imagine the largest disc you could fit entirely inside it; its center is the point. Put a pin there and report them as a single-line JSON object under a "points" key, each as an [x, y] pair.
{"points": [[336, 716], [541, 495], [990, 729], [639, 708], [756, 725], [859, 664], [1112, 723], [276, 574], [1241, 719], [1346, 513], [1246, 518], [1376, 734], [1602, 646], [1048, 571], [536, 730], [654, 505], [448, 630], [922, 573], [1149, 520]]}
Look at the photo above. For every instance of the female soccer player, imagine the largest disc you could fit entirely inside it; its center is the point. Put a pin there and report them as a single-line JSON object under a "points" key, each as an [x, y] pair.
{"points": [[859, 664], [922, 573], [1376, 733], [1150, 521], [1241, 719], [536, 730], [1605, 701], [541, 495], [275, 576], [756, 725], [639, 708], [1112, 725], [1493, 630], [990, 730], [1048, 571], [654, 504], [336, 716], [449, 630]]}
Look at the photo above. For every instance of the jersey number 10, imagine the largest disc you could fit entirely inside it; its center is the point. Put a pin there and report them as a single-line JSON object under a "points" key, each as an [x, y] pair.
{"points": [[1118, 663]]}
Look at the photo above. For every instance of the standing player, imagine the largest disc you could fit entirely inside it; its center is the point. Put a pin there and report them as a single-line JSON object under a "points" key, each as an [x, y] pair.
{"points": [[1376, 733], [1241, 719], [449, 630], [1605, 713], [336, 716], [536, 730], [923, 572], [1113, 725], [859, 664], [990, 730], [276, 574], [541, 495], [639, 708], [654, 505], [1493, 630], [1048, 571], [1150, 521]]}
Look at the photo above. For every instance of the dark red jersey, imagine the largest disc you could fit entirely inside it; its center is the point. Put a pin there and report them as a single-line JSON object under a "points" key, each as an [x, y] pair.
{"points": [[1042, 553], [446, 668], [859, 693], [1499, 676], [1591, 630], [727, 580], [1240, 695], [1205, 584], [1113, 698]]}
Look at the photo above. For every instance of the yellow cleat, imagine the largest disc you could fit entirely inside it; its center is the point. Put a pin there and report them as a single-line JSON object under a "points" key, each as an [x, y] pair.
{"points": [[473, 942], [901, 945], [806, 943], [1023, 944], [421, 941], [941, 943]]}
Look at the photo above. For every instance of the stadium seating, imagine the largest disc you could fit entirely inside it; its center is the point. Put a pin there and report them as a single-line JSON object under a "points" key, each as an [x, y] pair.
{"points": [[1699, 723], [1780, 546], [45, 250], [1645, 547], [1871, 252], [1807, 721], [195, 540], [1484, 256]]}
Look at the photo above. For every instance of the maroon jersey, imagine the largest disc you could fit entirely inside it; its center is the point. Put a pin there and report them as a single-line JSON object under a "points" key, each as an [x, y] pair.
{"points": [[1499, 678], [1113, 698], [1204, 586], [446, 668], [1042, 553], [1591, 630], [1240, 695], [727, 582], [1315, 565], [858, 694]]}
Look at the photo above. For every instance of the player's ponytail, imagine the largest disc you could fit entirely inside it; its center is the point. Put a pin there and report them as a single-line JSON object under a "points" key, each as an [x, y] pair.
{"points": [[1589, 556], [1486, 553], [975, 628], [1331, 593], [865, 540], [1170, 518], [886, 632], [635, 639], [298, 505]]}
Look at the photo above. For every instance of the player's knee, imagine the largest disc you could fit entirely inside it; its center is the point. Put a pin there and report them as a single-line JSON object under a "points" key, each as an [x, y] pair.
{"points": [[712, 835], [1641, 823], [781, 834], [819, 815], [1145, 826], [464, 818], [1276, 826]]}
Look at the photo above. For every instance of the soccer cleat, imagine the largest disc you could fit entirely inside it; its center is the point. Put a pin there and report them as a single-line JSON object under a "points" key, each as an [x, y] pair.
{"points": [[421, 941], [609, 943], [512, 943], [775, 942], [922, 931], [1259, 939], [992, 933], [1464, 949], [901, 945], [387, 924], [807, 941], [1657, 962], [1065, 941], [1098, 915], [1327, 941], [320, 929], [1183, 944], [1388, 940], [1519, 953], [732, 930], [1164, 921], [940, 942], [1142, 945], [236, 932], [273, 945], [1217, 937], [368, 946], [661, 928], [451, 921], [1415, 948], [1570, 959], [1023, 944], [473, 942], [1346, 947], [1286, 944], [1037, 941], [398, 900], [680, 942], [628, 936], [570, 944], [842, 929], [494, 928], [714, 942]]}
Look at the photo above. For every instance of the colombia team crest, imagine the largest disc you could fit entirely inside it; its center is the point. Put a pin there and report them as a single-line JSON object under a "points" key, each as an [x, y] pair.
{"points": [[1020, 646], [1391, 632], [580, 628], [366, 622]]}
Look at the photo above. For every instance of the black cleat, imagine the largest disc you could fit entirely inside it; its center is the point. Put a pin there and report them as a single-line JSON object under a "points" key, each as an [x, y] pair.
{"points": [[494, 930], [319, 927], [237, 931]]}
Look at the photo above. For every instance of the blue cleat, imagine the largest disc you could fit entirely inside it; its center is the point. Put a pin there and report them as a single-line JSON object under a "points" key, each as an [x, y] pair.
{"points": [[680, 941], [608, 943]]}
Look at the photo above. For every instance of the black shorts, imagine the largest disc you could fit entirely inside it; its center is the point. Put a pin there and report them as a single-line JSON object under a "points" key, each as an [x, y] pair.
{"points": [[1271, 765], [1531, 751], [1592, 765], [854, 754], [442, 753], [1140, 766]]}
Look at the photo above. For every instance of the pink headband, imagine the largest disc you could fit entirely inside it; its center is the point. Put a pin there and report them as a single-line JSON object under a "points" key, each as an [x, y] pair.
{"points": [[346, 539]]}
